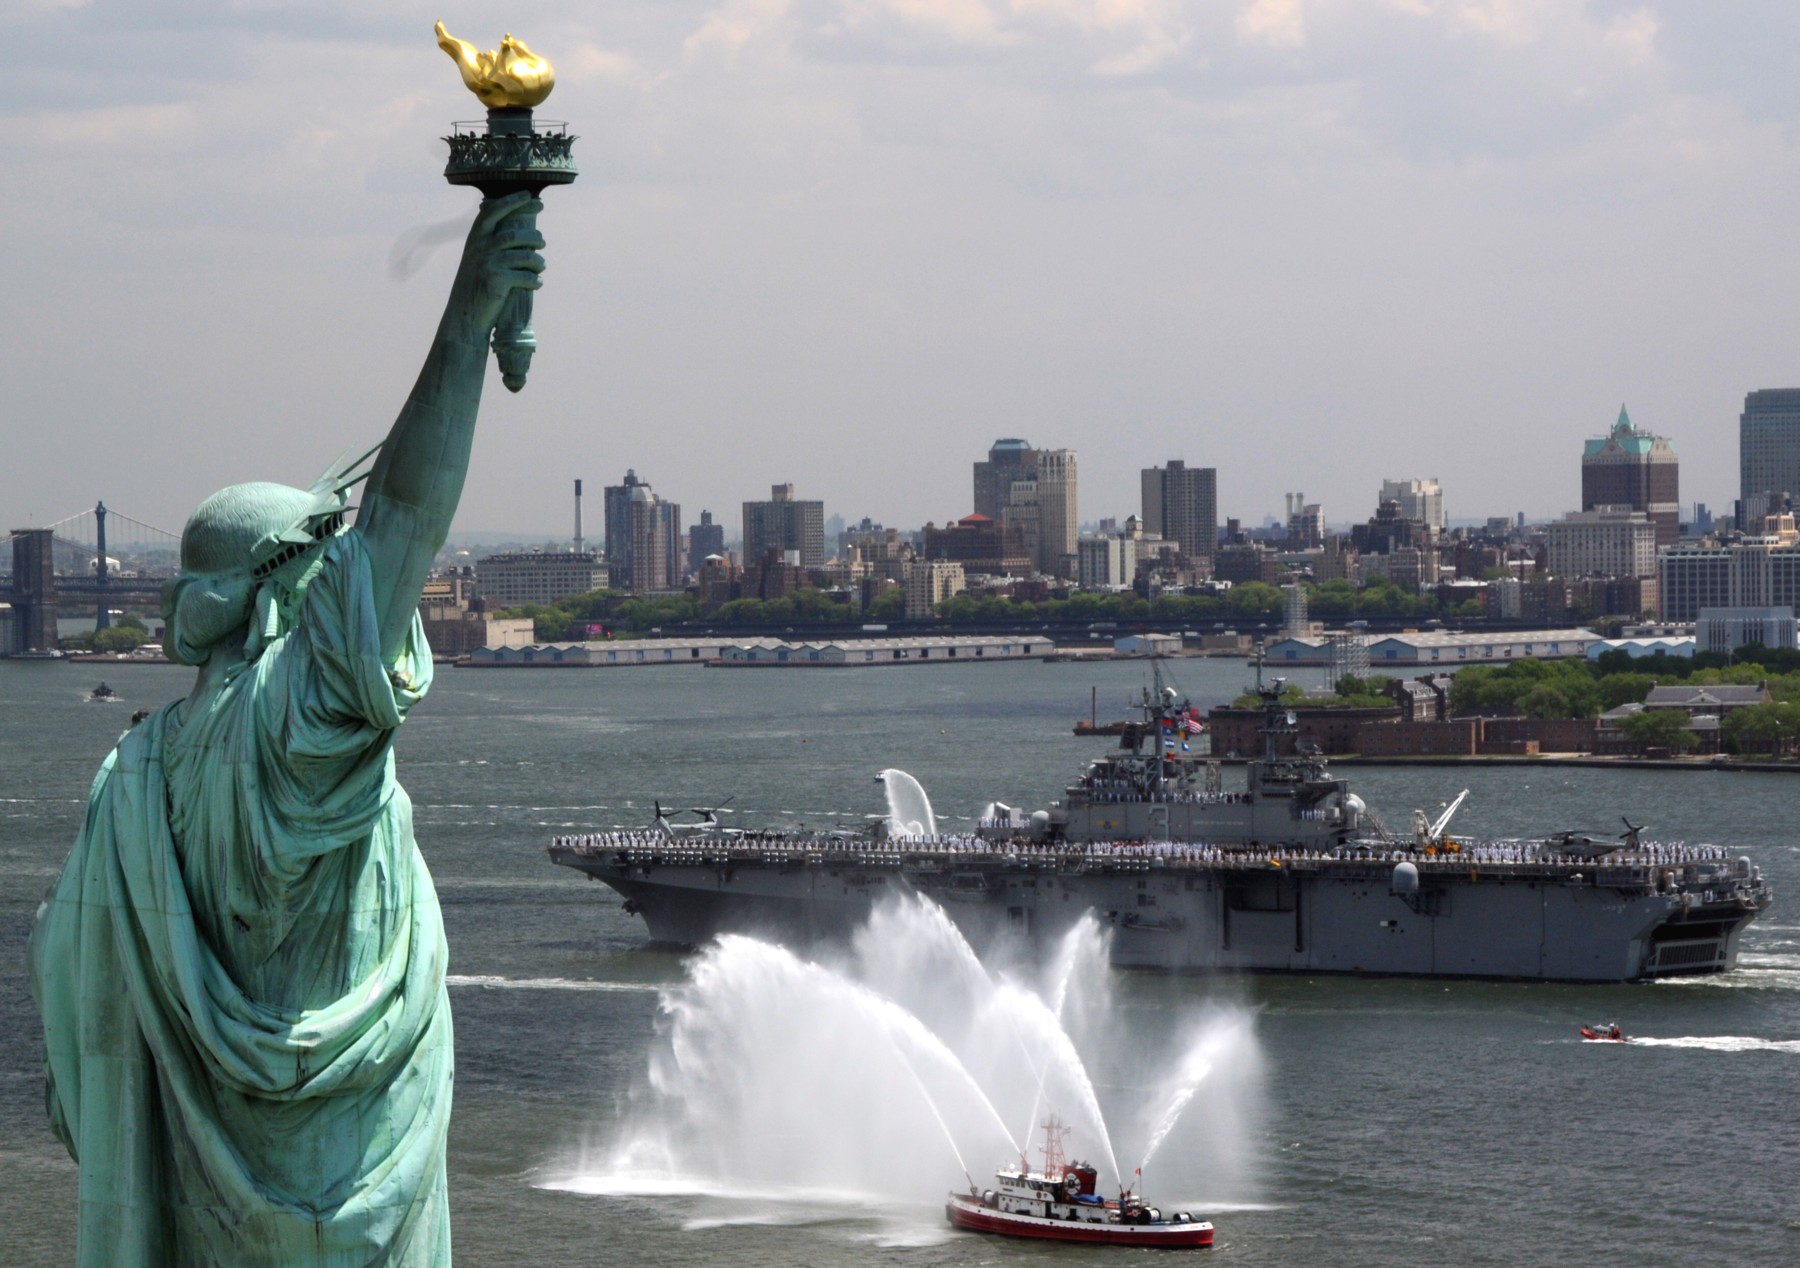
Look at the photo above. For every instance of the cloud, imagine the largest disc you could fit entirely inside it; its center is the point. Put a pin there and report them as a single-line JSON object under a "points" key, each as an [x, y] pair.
{"points": [[171, 126], [590, 60], [731, 27], [965, 21], [1634, 34], [1277, 23], [1141, 228]]}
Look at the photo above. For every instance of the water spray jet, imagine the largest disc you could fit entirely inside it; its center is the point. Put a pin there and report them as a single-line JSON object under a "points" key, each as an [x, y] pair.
{"points": [[776, 1074]]}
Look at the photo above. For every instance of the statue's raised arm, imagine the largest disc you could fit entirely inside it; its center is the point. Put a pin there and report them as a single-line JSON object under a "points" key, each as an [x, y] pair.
{"points": [[241, 968], [418, 478]]}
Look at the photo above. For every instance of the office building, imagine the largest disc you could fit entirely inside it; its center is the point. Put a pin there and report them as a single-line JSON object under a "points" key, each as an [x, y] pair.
{"points": [[1240, 562], [1757, 573], [1421, 500], [704, 539], [1727, 629], [1305, 522], [536, 576], [1629, 467], [1035, 491], [1607, 541], [1106, 561], [784, 524], [1768, 451], [643, 537], [1411, 568], [1181, 505], [1393, 528], [774, 575], [1592, 597], [880, 551], [716, 583], [1058, 522], [980, 545], [929, 583], [1009, 460]]}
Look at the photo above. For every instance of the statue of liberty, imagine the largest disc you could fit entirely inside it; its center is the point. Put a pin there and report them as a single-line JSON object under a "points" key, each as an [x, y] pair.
{"points": [[241, 967]]}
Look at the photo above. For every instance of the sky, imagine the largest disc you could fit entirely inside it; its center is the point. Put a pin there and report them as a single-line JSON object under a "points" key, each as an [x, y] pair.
{"points": [[847, 244]]}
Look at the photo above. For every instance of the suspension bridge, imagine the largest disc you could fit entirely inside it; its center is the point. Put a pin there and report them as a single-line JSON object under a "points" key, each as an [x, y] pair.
{"points": [[90, 562]]}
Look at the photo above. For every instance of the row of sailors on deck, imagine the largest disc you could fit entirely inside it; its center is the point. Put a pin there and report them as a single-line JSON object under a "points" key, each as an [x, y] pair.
{"points": [[592, 840], [1174, 798], [1646, 854], [1113, 790]]}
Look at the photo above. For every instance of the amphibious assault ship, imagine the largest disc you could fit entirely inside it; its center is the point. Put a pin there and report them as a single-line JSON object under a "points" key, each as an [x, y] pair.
{"points": [[1293, 873]]}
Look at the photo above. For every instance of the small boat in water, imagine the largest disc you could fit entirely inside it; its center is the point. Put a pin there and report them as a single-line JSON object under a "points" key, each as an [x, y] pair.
{"points": [[1089, 727], [1061, 1203], [1607, 1032], [103, 693]]}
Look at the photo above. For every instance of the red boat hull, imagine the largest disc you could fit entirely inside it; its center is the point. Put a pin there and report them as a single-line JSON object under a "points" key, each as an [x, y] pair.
{"points": [[1595, 1036], [965, 1212]]}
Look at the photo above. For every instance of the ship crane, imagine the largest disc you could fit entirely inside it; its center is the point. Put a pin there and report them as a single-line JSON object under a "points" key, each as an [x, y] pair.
{"points": [[1428, 831], [1443, 820]]}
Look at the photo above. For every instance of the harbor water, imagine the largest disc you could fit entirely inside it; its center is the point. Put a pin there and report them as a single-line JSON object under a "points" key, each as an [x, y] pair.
{"points": [[622, 1104]]}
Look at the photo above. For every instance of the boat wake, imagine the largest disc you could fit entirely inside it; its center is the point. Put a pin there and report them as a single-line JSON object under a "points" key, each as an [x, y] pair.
{"points": [[542, 983], [908, 1067], [1720, 1043], [1753, 973]]}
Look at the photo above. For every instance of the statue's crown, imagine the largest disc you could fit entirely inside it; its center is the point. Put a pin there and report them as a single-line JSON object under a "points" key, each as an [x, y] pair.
{"points": [[263, 527], [316, 523]]}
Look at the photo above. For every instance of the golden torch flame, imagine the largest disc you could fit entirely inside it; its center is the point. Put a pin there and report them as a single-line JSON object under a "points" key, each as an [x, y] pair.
{"points": [[511, 75]]}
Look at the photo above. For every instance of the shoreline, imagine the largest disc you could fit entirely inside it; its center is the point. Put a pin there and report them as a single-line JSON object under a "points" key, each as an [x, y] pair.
{"points": [[1573, 759]]}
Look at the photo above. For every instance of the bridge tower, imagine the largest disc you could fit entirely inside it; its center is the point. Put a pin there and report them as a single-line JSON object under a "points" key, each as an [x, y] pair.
{"points": [[104, 617], [34, 591]]}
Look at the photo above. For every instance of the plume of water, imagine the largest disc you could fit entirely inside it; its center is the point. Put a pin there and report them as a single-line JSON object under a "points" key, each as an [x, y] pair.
{"points": [[1083, 942], [912, 953], [1184, 1083], [909, 809], [774, 1075]]}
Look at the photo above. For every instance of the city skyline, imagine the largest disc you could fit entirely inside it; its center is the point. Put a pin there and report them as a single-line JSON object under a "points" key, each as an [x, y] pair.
{"points": [[1312, 245]]}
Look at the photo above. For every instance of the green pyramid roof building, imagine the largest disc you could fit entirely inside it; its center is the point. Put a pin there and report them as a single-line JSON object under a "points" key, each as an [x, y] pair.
{"points": [[1623, 436]]}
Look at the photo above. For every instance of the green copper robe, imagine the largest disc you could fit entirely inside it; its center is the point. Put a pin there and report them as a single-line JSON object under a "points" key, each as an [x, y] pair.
{"points": [[241, 968]]}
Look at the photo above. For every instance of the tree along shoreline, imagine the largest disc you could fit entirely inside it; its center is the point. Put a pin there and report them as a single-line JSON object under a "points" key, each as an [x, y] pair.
{"points": [[1253, 605], [1590, 688]]}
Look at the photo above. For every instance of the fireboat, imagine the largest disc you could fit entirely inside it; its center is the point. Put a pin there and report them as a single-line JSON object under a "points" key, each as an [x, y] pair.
{"points": [[1061, 1203]]}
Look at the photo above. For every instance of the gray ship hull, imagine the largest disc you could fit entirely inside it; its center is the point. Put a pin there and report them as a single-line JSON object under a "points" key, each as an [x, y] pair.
{"points": [[1254, 912]]}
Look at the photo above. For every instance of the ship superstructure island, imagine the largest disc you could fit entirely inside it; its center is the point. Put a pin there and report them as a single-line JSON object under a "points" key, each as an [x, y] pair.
{"points": [[1292, 873]]}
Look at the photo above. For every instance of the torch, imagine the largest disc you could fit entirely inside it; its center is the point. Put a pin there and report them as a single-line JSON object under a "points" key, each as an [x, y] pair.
{"points": [[512, 152]]}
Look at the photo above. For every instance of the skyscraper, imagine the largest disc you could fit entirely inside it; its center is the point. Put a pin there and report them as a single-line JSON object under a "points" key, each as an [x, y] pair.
{"points": [[1768, 450], [1058, 523], [615, 510], [1630, 467], [643, 537], [705, 538], [783, 524], [1034, 489], [1007, 461], [1181, 505]]}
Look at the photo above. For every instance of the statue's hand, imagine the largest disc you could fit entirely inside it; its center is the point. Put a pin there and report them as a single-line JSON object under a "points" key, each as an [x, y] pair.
{"points": [[500, 256]]}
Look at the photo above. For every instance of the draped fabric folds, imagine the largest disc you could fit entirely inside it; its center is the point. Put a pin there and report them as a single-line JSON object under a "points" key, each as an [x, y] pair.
{"points": [[241, 968]]}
